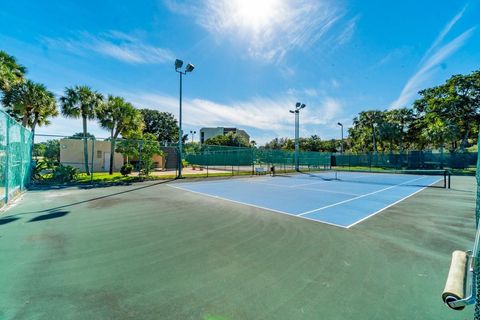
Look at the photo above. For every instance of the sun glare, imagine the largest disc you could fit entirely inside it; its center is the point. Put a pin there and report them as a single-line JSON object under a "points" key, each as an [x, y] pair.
{"points": [[255, 14]]}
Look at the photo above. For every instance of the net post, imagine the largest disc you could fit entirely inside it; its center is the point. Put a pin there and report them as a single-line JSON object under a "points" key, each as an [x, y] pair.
{"points": [[445, 179]]}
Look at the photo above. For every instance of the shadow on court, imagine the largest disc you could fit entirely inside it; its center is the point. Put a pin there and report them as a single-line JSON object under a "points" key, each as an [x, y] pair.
{"points": [[7, 220], [49, 216], [92, 199]]}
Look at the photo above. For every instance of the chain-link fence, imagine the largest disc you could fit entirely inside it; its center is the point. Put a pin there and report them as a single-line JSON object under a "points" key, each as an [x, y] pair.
{"points": [[54, 156], [476, 262], [408, 160], [64, 159], [238, 160], [15, 157]]}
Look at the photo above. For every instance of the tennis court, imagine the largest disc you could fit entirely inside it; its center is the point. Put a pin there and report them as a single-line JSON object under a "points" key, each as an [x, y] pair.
{"points": [[342, 199], [150, 251]]}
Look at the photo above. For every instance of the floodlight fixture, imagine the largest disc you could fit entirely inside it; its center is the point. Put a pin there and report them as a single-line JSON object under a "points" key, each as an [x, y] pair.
{"points": [[291, 111], [302, 106], [189, 67], [178, 64], [339, 124], [298, 104]]}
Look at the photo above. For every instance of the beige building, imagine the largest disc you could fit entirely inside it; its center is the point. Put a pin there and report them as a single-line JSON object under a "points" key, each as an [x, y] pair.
{"points": [[71, 154]]}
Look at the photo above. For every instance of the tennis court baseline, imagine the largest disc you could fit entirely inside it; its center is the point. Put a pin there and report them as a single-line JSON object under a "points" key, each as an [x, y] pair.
{"points": [[342, 199]]}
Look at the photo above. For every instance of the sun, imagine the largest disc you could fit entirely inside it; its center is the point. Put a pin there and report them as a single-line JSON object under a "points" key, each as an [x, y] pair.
{"points": [[255, 14]]}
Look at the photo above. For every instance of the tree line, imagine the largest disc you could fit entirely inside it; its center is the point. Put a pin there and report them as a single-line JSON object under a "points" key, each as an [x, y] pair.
{"points": [[33, 105], [445, 116]]}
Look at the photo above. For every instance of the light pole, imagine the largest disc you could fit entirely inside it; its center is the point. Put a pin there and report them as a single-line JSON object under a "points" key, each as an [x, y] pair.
{"points": [[298, 107], [193, 134], [341, 128], [188, 68]]}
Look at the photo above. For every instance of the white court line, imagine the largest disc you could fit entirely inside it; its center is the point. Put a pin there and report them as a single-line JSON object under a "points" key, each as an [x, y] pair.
{"points": [[259, 207], [355, 198], [307, 184], [392, 204], [329, 191], [308, 189]]}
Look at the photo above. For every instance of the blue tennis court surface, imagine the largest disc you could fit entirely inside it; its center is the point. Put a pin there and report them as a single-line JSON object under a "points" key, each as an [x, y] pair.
{"points": [[342, 199]]}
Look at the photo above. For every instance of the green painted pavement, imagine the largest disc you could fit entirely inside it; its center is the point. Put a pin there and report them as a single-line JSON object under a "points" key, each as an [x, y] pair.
{"points": [[149, 251]]}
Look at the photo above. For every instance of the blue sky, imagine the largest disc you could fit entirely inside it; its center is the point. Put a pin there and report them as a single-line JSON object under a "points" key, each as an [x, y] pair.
{"points": [[254, 58]]}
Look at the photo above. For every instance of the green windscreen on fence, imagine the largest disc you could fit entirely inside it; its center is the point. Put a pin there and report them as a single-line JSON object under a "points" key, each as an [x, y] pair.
{"points": [[408, 160], [247, 159], [477, 219], [15, 157]]}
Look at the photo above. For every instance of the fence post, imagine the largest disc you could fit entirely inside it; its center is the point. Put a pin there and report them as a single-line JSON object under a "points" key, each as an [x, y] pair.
{"points": [[30, 158], [93, 155], [7, 161], [253, 162], [20, 159]]}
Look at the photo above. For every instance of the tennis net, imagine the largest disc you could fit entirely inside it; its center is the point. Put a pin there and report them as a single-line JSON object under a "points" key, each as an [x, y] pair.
{"points": [[417, 178]]}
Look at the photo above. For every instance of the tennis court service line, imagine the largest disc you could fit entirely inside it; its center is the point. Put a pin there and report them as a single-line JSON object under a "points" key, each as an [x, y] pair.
{"points": [[358, 197], [307, 184], [391, 205], [294, 187]]}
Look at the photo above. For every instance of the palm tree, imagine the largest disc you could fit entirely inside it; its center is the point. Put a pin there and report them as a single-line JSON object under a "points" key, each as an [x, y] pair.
{"points": [[119, 117], [31, 103], [81, 102], [11, 73]]}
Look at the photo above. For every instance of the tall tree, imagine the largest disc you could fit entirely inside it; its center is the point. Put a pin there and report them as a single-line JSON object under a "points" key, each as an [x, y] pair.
{"points": [[79, 135], [280, 143], [229, 139], [401, 120], [11, 73], [161, 124], [451, 110], [31, 103], [119, 117], [364, 129], [81, 102]]}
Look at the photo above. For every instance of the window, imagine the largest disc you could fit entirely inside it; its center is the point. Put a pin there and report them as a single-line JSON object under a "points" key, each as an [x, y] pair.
{"points": [[99, 154]]}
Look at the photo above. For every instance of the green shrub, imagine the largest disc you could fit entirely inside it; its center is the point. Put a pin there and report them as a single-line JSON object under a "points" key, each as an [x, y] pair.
{"points": [[64, 174], [126, 169]]}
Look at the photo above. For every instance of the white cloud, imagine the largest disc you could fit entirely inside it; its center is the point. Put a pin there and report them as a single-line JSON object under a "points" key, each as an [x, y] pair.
{"points": [[114, 44], [444, 32], [424, 74], [348, 31], [433, 57], [335, 83], [395, 54], [269, 29], [260, 113], [308, 92], [269, 117]]}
